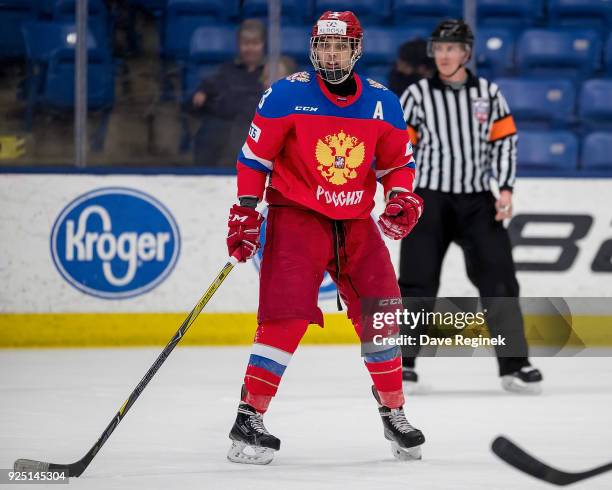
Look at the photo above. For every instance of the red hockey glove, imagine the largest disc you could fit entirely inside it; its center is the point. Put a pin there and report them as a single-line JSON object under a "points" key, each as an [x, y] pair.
{"points": [[243, 236], [401, 214]]}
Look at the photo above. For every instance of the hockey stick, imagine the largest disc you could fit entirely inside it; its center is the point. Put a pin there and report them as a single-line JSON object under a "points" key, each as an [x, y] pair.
{"points": [[78, 467], [515, 456]]}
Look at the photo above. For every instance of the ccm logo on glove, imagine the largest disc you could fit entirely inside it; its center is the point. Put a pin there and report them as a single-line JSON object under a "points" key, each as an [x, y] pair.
{"points": [[401, 215]]}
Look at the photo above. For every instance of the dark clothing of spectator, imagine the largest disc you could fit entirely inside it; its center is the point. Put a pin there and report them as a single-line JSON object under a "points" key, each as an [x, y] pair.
{"points": [[232, 94], [398, 81], [412, 64]]}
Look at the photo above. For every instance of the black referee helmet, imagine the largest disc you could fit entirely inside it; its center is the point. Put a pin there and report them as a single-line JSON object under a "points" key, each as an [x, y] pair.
{"points": [[451, 31]]}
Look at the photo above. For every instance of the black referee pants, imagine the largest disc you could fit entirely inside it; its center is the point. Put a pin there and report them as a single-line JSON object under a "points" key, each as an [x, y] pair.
{"points": [[468, 220]]}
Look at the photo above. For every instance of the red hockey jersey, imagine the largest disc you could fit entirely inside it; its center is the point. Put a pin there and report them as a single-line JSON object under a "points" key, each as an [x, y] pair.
{"points": [[326, 152]]}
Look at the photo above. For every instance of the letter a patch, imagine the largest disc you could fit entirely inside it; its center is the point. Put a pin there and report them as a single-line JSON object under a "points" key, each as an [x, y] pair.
{"points": [[378, 111]]}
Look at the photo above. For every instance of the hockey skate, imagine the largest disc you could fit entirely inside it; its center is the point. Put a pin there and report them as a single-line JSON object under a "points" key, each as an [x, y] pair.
{"points": [[251, 442], [409, 375], [405, 440], [526, 380]]}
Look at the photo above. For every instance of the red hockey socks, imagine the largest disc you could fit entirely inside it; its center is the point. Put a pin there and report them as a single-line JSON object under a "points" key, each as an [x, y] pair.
{"points": [[386, 371], [274, 344]]}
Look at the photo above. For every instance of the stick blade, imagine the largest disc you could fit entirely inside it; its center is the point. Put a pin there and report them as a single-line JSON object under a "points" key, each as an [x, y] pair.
{"points": [[30, 465], [41, 466], [509, 452]]}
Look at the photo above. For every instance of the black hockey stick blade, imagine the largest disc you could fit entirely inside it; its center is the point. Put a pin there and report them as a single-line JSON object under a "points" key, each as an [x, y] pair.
{"points": [[31, 465], [78, 467], [515, 456]]}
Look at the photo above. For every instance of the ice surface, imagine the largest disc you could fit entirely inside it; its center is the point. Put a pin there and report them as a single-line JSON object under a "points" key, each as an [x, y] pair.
{"points": [[55, 404]]}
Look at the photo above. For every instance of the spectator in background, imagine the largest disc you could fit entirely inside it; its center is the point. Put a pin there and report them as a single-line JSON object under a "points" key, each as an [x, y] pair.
{"points": [[411, 65], [286, 66], [227, 100]]}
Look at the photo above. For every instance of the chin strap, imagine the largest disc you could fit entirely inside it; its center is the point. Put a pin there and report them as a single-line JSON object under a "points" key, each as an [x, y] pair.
{"points": [[461, 65], [458, 68]]}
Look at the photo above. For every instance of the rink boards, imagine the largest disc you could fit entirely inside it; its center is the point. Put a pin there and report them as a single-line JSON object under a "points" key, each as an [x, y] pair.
{"points": [[93, 260]]}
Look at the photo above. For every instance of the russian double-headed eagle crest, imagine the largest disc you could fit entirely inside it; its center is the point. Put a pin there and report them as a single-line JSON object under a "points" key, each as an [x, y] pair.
{"points": [[338, 156]]}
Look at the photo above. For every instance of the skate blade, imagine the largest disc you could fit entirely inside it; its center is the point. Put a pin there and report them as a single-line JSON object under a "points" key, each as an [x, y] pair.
{"points": [[240, 452], [513, 385], [406, 454]]}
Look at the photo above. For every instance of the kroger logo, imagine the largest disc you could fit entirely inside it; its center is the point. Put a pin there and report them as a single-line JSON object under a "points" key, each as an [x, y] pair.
{"points": [[115, 243], [327, 289]]}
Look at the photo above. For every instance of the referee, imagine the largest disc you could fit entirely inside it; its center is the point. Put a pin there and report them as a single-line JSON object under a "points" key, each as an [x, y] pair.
{"points": [[464, 136]]}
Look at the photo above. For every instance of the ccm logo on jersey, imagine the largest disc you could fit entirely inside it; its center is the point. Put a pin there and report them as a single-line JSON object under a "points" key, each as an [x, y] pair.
{"points": [[305, 108], [342, 198], [254, 132]]}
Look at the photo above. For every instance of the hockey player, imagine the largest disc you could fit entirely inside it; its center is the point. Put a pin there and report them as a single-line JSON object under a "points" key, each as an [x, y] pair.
{"points": [[321, 139]]}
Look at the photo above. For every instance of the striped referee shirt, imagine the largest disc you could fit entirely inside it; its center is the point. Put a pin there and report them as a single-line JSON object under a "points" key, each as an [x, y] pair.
{"points": [[462, 137]]}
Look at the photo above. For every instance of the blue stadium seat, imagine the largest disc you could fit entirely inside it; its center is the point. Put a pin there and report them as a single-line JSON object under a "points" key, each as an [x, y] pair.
{"points": [[495, 52], [295, 42], [42, 38], [58, 90], [571, 53], [13, 14], [219, 11], [44, 8], [594, 14], [368, 11], [155, 7], [547, 151], [595, 106], [414, 31], [425, 12], [99, 21], [381, 44], [212, 44], [597, 151], [608, 55], [183, 17], [509, 13], [540, 102], [292, 11]]}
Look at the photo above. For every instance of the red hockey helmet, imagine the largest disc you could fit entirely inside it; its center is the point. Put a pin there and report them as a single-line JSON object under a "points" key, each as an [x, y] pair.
{"points": [[336, 44]]}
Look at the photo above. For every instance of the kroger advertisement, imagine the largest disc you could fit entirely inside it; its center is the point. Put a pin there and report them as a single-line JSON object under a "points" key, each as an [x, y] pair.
{"points": [[117, 243]]}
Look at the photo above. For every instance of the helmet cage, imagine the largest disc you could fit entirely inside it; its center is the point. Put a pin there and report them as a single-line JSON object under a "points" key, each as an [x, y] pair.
{"points": [[335, 75]]}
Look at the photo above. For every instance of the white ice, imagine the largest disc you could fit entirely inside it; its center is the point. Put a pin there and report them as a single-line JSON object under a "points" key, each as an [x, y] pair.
{"points": [[55, 404]]}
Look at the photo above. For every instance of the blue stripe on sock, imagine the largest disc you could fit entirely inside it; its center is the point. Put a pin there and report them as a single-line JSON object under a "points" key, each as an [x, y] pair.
{"points": [[268, 364], [385, 355]]}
